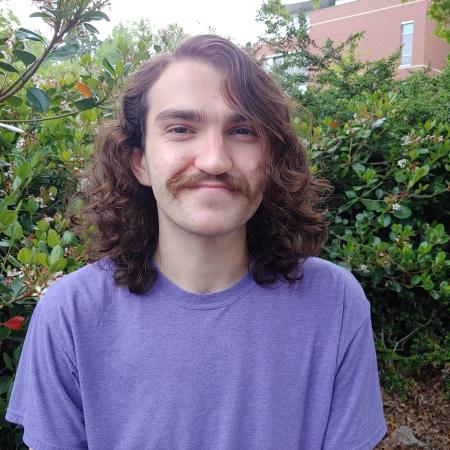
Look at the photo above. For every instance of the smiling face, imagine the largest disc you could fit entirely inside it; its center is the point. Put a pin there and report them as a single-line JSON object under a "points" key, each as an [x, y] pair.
{"points": [[202, 158]]}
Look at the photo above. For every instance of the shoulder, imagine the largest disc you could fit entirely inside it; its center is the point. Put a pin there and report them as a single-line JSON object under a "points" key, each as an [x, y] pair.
{"points": [[338, 285], [81, 293]]}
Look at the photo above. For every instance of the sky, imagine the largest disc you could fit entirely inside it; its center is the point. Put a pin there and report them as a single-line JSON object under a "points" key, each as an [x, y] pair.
{"points": [[235, 19]]}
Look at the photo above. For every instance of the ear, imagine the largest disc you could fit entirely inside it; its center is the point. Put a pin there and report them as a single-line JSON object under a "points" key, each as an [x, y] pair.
{"points": [[139, 166]]}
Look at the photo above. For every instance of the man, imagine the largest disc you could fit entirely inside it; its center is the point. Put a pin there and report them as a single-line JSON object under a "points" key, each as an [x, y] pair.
{"points": [[206, 323]]}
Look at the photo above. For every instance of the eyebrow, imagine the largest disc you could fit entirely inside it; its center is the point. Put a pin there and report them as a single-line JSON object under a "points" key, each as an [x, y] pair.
{"points": [[195, 116]]}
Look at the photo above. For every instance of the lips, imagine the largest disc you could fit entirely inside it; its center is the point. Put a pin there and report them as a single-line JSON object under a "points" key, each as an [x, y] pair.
{"points": [[212, 186]]}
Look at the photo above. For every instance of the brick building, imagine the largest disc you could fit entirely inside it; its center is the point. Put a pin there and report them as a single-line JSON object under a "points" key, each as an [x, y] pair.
{"points": [[388, 24]]}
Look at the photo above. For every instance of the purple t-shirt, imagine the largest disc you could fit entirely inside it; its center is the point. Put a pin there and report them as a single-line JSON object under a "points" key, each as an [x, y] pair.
{"points": [[288, 366]]}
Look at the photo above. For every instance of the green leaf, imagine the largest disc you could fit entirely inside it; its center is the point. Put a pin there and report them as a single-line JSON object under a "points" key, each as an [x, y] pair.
{"points": [[108, 66], [434, 294], [25, 34], [15, 231], [56, 254], [23, 170], [384, 220], [26, 57], [14, 101], [8, 362], [64, 51], [25, 255], [67, 237], [38, 99], [95, 15], [53, 239], [4, 384], [58, 265], [86, 103], [403, 212], [440, 258], [419, 172], [43, 15], [119, 68], [372, 205], [358, 168], [8, 67], [7, 217], [36, 159], [16, 183], [4, 333], [91, 28], [40, 259], [425, 248], [42, 225]]}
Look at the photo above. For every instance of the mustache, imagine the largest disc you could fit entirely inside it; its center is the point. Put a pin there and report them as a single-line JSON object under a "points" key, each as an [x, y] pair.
{"points": [[180, 181]]}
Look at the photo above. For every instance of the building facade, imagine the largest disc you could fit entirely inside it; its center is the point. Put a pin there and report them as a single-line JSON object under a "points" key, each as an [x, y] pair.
{"points": [[387, 26]]}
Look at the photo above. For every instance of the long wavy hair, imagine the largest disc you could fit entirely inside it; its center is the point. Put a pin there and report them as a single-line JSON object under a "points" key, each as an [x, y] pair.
{"points": [[120, 218]]}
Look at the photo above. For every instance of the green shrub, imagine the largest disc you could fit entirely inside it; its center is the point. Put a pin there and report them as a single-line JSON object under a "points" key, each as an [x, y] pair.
{"points": [[384, 145]]}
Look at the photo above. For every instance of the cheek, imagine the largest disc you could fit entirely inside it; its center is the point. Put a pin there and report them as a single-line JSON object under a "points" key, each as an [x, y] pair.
{"points": [[249, 161], [165, 166]]}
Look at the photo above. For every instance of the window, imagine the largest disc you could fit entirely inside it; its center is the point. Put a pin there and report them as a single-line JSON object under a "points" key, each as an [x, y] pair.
{"points": [[407, 42]]}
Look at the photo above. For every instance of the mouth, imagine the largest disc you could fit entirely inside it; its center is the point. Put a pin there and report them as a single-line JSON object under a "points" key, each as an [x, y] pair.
{"points": [[212, 186]]}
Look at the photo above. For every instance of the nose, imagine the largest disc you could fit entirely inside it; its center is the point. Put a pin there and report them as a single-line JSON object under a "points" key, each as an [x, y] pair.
{"points": [[213, 156]]}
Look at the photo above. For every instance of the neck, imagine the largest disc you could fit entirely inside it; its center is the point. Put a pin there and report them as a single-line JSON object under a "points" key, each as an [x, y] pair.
{"points": [[202, 264]]}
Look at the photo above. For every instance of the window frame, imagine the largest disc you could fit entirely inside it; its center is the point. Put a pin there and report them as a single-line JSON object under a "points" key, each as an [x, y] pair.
{"points": [[402, 35]]}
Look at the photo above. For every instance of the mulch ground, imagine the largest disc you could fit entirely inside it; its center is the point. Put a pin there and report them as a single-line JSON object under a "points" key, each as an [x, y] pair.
{"points": [[426, 411]]}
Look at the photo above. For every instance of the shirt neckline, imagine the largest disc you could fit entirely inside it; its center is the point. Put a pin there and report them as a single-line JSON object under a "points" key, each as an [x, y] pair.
{"points": [[176, 294]]}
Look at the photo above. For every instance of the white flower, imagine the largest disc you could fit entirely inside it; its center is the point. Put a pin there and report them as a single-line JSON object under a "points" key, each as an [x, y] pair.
{"points": [[20, 142], [14, 273], [396, 206], [363, 268], [406, 140], [40, 290], [402, 163], [48, 219]]}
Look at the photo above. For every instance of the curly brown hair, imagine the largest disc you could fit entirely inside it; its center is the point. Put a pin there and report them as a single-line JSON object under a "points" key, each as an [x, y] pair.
{"points": [[120, 215]]}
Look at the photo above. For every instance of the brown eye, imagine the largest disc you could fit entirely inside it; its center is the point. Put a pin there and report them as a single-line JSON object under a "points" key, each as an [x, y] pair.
{"points": [[244, 131], [179, 130]]}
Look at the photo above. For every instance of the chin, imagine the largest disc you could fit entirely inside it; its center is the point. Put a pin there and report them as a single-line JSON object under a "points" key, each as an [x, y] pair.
{"points": [[213, 228]]}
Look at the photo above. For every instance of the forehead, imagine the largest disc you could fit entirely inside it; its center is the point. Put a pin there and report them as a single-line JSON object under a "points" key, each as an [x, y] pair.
{"points": [[188, 85]]}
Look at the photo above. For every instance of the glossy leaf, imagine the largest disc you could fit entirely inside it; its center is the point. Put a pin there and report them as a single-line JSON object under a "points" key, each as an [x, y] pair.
{"points": [[95, 15], [65, 51], [91, 28], [26, 57], [38, 99], [108, 66], [25, 34], [14, 101], [25, 255], [402, 213], [85, 104], [56, 254], [8, 67]]}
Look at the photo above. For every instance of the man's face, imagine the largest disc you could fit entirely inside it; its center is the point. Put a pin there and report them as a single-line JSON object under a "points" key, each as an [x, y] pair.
{"points": [[202, 158]]}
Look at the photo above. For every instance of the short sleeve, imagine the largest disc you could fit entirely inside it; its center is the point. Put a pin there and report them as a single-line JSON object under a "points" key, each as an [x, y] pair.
{"points": [[356, 420], [46, 398]]}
